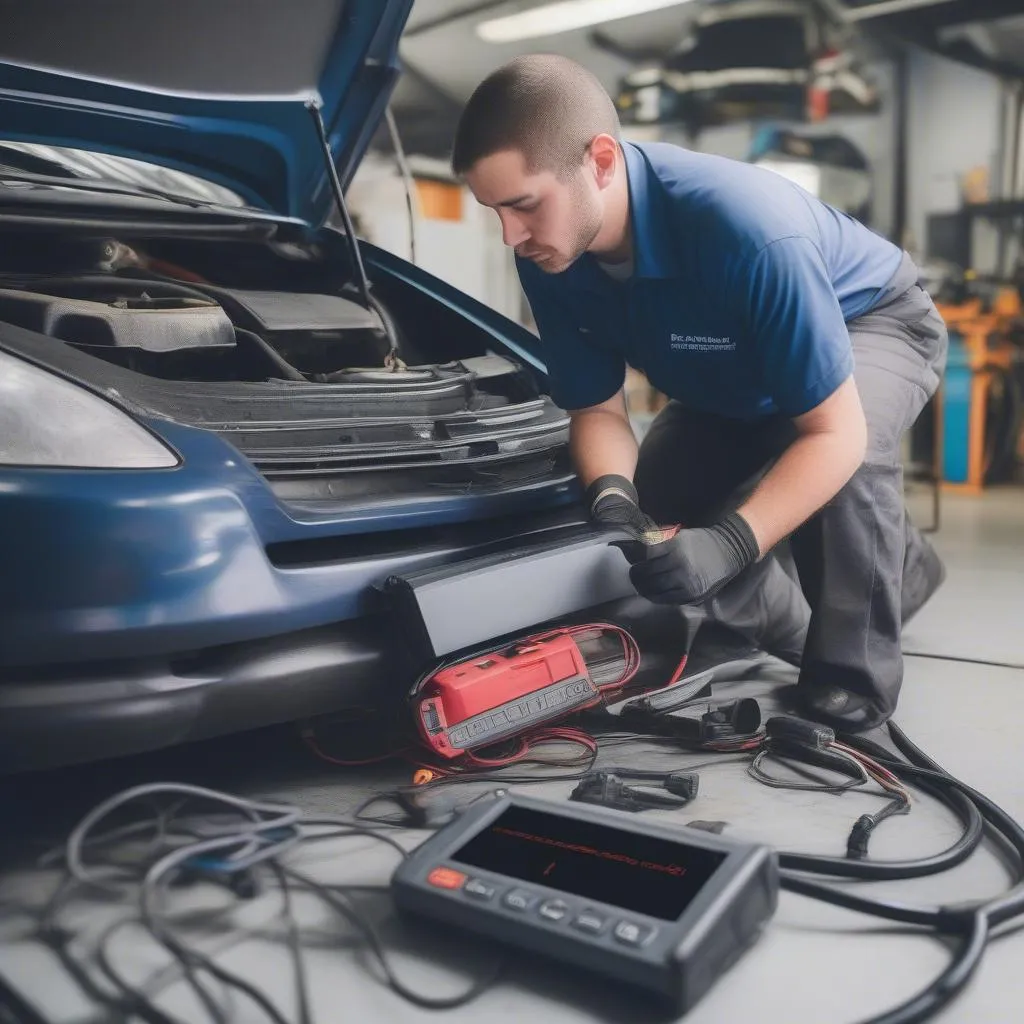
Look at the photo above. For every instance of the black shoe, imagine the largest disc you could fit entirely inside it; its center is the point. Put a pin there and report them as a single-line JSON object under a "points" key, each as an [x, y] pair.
{"points": [[842, 710], [923, 574]]}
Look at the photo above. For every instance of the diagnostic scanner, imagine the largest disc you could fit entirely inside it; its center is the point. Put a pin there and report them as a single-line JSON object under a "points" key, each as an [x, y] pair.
{"points": [[662, 908]]}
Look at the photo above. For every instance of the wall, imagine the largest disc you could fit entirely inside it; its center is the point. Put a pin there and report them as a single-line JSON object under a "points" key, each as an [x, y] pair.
{"points": [[954, 116], [953, 125], [467, 253], [872, 133]]}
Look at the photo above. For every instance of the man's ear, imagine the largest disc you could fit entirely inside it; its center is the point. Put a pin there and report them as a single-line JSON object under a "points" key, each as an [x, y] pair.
{"points": [[604, 158]]}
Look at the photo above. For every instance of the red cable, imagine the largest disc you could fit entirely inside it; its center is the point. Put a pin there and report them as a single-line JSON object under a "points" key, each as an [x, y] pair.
{"points": [[630, 652], [678, 674]]}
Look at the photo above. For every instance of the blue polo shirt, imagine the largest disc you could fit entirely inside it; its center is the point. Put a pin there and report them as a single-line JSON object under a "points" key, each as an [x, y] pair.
{"points": [[742, 287]]}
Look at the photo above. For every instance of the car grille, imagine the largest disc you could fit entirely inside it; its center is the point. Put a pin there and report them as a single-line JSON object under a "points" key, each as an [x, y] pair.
{"points": [[369, 435], [352, 458]]}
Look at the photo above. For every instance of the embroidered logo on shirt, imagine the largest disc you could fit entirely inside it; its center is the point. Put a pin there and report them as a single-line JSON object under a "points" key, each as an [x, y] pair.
{"points": [[700, 343]]}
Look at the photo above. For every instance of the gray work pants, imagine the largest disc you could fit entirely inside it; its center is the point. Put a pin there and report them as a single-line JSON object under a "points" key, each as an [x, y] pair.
{"points": [[850, 556]]}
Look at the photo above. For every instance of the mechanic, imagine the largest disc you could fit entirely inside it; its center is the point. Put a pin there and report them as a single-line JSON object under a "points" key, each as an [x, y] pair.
{"points": [[795, 345]]}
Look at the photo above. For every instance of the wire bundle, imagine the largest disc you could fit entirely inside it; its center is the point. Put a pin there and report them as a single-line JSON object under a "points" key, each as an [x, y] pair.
{"points": [[970, 922], [832, 754], [857, 844], [243, 847], [250, 844]]}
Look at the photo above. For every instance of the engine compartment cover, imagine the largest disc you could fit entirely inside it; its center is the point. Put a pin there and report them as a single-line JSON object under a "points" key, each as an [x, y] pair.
{"points": [[299, 311], [152, 324]]}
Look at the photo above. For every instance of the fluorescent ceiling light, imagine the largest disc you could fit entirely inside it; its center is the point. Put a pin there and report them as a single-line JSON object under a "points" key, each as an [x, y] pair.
{"points": [[564, 16]]}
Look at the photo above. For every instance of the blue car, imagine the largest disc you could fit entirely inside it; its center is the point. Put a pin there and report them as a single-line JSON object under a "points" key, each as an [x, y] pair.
{"points": [[225, 425]]}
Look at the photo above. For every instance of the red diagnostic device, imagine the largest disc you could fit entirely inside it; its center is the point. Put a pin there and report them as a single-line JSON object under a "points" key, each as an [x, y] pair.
{"points": [[503, 693]]}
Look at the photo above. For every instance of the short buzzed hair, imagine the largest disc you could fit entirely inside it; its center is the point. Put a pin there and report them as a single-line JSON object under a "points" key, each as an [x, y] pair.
{"points": [[547, 107]]}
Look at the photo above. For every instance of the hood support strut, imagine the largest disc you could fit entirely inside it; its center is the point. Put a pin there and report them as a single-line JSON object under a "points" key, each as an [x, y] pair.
{"points": [[392, 359]]}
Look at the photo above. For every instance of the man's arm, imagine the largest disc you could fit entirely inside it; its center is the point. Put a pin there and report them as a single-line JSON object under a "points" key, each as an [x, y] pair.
{"points": [[604, 451], [696, 563], [602, 442], [830, 446]]}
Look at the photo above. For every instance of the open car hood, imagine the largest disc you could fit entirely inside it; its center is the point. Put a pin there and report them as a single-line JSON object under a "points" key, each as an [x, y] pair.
{"points": [[216, 88]]}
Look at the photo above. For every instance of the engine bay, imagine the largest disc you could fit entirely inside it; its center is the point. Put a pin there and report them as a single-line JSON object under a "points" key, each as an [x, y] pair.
{"points": [[171, 330], [271, 315], [331, 398]]}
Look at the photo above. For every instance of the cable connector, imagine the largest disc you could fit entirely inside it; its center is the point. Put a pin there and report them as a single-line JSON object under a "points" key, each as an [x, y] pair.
{"points": [[683, 784], [798, 730], [608, 790], [860, 836]]}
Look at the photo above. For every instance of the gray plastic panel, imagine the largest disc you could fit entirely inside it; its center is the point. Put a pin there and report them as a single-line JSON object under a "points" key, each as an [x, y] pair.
{"points": [[470, 603]]}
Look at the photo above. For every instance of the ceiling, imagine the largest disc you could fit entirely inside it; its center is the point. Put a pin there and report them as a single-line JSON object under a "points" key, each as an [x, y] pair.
{"points": [[444, 58]]}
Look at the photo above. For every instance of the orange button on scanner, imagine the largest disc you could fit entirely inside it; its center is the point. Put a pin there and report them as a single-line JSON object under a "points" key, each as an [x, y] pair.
{"points": [[446, 878]]}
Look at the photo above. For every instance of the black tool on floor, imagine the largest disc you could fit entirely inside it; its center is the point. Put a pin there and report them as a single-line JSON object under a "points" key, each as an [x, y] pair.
{"points": [[654, 791], [731, 721], [662, 908]]}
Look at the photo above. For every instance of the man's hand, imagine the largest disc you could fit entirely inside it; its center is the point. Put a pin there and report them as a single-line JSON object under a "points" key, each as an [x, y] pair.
{"points": [[695, 564], [612, 500]]}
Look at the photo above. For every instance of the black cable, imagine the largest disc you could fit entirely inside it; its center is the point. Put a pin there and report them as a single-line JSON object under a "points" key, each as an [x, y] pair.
{"points": [[137, 1001], [350, 829], [500, 778], [57, 940], [294, 938], [188, 971], [928, 917], [343, 906], [969, 922], [974, 922], [165, 975], [865, 825], [286, 368], [190, 959], [842, 867], [963, 660], [983, 916], [948, 984], [184, 956], [755, 771], [58, 944], [14, 1009], [402, 822], [1002, 908]]}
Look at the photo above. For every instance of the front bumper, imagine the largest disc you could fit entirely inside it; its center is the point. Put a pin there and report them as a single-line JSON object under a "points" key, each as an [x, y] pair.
{"points": [[55, 718], [105, 566], [63, 715]]}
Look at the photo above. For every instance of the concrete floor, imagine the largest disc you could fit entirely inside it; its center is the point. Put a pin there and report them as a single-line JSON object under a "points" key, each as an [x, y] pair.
{"points": [[814, 964]]}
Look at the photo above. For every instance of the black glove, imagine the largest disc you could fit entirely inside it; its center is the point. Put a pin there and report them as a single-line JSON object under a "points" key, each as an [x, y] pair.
{"points": [[612, 501], [695, 564]]}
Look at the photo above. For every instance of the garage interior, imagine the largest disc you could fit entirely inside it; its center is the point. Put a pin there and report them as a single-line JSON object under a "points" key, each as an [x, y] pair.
{"points": [[907, 114]]}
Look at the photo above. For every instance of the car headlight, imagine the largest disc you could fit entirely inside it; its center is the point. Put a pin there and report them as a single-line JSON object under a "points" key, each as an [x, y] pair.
{"points": [[48, 421]]}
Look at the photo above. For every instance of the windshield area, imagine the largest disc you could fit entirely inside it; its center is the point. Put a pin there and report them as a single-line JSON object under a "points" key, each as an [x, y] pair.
{"points": [[34, 161]]}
